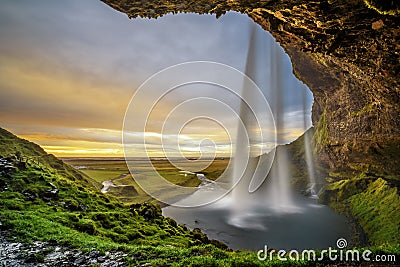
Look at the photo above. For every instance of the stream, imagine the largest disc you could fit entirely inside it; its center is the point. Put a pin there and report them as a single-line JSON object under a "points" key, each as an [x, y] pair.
{"points": [[108, 184]]}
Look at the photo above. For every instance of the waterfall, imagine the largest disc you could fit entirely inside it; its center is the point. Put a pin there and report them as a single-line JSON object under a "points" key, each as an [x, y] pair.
{"points": [[275, 193], [312, 190], [280, 177], [244, 160]]}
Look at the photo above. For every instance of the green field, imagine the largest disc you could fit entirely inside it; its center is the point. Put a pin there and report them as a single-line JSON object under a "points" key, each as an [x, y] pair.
{"points": [[127, 190]]}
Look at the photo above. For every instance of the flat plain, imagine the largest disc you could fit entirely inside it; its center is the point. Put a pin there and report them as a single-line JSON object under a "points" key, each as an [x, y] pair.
{"points": [[125, 187]]}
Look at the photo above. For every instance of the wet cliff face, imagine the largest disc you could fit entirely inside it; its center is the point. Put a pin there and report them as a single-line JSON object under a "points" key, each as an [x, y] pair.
{"points": [[348, 55]]}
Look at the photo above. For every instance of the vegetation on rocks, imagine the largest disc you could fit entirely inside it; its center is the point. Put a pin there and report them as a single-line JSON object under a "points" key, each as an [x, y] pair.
{"points": [[378, 210], [373, 202]]}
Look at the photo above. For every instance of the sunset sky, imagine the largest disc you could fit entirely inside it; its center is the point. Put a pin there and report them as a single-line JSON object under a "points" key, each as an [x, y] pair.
{"points": [[68, 70]]}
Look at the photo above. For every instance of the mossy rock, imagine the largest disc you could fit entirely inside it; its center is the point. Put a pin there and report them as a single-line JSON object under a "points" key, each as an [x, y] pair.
{"points": [[86, 226], [133, 235], [378, 210], [147, 210], [199, 235], [321, 137], [374, 204], [35, 258]]}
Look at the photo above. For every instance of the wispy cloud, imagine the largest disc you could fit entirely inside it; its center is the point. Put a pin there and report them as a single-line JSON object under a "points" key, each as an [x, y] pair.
{"points": [[69, 68]]}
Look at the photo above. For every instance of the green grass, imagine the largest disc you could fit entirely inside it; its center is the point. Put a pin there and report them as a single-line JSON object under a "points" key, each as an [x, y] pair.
{"points": [[102, 175]]}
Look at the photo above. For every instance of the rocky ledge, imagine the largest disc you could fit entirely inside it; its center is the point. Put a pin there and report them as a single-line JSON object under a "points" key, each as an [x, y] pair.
{"points": [[13, 253]]}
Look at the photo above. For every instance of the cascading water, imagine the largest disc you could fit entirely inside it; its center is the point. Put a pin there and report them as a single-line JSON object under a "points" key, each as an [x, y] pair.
{"points": [[262, 209], [279, 187], [243, 152], [312, 190], [276, 193]]}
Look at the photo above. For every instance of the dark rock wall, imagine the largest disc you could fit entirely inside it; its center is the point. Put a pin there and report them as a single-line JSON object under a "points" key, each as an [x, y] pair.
{"points": [[348, 55]]}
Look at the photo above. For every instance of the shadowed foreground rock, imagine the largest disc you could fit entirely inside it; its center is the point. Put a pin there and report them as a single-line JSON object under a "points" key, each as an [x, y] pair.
{"points": [[38, 253]]}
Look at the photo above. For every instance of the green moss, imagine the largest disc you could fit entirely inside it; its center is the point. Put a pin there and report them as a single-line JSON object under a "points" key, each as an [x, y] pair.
{"points": [[378, 211], [366, 108], [86, 226], [321, 137], [336, 194], [372, 202]]}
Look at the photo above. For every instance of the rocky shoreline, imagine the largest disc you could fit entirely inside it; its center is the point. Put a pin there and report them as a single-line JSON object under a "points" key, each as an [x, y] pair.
{"points": [[14, 253]]}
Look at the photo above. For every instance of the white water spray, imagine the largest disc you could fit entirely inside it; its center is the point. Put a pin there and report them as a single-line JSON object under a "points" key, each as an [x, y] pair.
{"points": [[309, 155], [276, 193]]}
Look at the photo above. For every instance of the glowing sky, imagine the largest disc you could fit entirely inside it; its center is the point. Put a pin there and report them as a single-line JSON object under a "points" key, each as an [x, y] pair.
{"points": [[69, 68]]}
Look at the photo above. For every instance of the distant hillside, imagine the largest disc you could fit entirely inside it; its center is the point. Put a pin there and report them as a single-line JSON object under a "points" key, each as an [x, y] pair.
{"points": [[22, 150]]}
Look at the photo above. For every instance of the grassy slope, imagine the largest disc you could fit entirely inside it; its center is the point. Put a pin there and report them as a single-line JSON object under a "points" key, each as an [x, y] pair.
{"points": [[34, 154], [364, 191], [76, 215], [373, 201], [370, 197], [378, 210]]}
